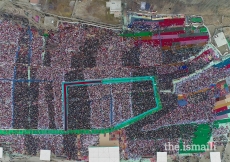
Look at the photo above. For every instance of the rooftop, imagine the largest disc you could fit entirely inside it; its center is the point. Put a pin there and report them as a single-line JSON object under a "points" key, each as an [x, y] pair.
{"points": [[220, 39], [114, 5]]}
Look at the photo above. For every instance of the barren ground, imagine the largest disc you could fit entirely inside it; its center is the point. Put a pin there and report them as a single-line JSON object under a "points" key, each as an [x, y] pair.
{"points": [[94, 10], [58, 7]]}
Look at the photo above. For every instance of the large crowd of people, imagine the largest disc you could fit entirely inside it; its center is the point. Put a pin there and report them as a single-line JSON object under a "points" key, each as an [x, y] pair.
{"points": [[88, 141], [137, 26], [201, 80], [178, 55], [147, 148], [33, 67], [184, 115]]}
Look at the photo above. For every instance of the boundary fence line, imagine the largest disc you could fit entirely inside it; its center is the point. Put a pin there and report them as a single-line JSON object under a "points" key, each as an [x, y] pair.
{"points": [[95, 131]]}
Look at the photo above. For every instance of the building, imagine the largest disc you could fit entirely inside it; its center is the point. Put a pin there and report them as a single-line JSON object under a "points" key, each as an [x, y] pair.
{"points": [[104, 154], [115, 7], [220, 39], [145, 6]]}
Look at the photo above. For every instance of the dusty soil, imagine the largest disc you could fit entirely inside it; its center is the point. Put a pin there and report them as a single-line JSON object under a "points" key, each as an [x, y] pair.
{"points": [[94, 10], [58, 7], [198, 7]]}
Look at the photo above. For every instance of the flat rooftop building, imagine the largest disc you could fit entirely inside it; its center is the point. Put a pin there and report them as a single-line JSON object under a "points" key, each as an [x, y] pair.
{"points": [[220, 39], [104, 154], [115, 7]]}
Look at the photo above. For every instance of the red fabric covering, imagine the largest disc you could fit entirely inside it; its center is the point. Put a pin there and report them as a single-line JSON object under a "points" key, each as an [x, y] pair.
{"points": [[227, 67], [172, 22], [203, 54], [168, 42], [172, 33], [220, 109]]}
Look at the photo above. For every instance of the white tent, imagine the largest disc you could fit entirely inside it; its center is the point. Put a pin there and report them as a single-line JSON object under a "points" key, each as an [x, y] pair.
{"points": [[45, 155], [161, 156], [1, 152], [228, 81], [104, 154], [215, 156], [114, 5], [143, 4]]}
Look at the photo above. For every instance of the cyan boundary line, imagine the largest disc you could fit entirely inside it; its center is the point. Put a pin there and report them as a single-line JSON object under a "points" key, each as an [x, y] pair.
{"points": [[65, 86], [103, 81], [95, 131]]}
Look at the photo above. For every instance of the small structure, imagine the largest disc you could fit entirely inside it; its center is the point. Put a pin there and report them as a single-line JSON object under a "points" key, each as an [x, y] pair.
{"points": [[34, 2], [1, 152], [71, 3], [45, 155], [104, 154], [115, 7], [145, 6], [220, 39], [161, 156], [215, 157]]}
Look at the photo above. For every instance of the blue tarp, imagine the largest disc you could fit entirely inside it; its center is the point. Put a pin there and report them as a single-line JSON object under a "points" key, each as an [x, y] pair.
{"points": [[147, 6], [182, 102], [226, 89], [212, 85], [183, 67], [223, 112], [222, 64]]}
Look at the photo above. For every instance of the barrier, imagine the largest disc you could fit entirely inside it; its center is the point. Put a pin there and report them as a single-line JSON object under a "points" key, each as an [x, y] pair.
{"points": [[139, 34], [97, 131]]}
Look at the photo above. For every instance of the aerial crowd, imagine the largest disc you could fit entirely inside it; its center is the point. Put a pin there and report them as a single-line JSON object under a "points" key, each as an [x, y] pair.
{"points": [[33, 67]]}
